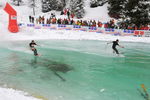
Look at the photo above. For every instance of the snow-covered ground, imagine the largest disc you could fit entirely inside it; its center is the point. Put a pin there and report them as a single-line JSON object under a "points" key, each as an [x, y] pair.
{"points": [[11, 94], [99, 13]]}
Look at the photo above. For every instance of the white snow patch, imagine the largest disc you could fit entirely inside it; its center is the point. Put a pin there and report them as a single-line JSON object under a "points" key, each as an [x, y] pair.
{"points": [[11, 94]]}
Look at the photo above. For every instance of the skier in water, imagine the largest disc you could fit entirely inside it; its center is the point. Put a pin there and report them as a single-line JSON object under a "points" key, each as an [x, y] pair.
{"points": [[32, 44], [115, 43]]}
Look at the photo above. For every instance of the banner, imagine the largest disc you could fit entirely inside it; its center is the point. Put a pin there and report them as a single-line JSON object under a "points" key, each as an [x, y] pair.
{"points": [[12, 27], [146, 33], [115, 32]]}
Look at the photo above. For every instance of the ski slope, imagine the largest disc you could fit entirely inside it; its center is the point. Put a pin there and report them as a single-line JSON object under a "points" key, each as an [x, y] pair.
{"points": [[24, 11]]}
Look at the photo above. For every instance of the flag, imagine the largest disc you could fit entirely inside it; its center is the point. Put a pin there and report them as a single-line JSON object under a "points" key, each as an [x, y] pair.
{"points": [[8, 8]]}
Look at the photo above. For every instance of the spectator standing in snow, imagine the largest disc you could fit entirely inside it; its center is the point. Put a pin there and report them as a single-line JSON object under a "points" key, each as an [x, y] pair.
{"points": [[72, 15], [30, 19], [68, 14]]}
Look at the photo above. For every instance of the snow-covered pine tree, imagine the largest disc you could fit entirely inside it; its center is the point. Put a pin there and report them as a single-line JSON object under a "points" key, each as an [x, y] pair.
{"points": [[32, 5], [60, 5], [116, 8], [45, 7], [54, 5], [17, 2], [102, 2], [77, 7], [137, 12], [95, 3]]}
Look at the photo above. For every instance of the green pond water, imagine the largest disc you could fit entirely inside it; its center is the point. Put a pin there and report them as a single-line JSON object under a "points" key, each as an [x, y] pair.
{"points": [[76, 70]]}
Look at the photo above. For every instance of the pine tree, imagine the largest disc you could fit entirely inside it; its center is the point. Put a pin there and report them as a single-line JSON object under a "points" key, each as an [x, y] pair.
{"points": [[45, 7], [60, 5], [77, 6], [17, 2], [116, 7], [32, 5], [95, 3], [137, 12], [54, 4], [102, 2]]}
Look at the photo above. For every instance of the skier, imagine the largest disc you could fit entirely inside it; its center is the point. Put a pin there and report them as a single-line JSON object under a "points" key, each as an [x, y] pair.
{"points": [[32, 44], [115, 43]]}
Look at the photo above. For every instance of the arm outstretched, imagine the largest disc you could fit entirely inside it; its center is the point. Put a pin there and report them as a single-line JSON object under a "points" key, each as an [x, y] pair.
{"points": [[109, 42]]}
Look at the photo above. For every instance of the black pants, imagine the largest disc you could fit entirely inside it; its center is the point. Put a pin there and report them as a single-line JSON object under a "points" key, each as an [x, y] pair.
{"points": [[34, 51], [115, 50]]}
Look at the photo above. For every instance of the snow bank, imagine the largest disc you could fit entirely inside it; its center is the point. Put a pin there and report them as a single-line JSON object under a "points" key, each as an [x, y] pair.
{"points": [[99, 13], [10, 94], [41, 34]]}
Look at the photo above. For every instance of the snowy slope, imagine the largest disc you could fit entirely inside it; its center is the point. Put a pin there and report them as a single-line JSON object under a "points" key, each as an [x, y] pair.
{"points": [[99, 13], [24, 11]]}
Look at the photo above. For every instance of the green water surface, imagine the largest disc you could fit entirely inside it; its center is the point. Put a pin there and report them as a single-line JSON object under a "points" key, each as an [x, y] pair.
{"points": [[76, 70]]}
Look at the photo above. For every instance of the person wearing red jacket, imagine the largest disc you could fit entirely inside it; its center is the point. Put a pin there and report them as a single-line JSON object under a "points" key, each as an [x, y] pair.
{"points": [[99, 24], [72, 15]]}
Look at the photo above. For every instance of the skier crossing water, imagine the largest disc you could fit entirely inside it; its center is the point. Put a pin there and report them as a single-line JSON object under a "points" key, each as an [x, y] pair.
{"points": [[115, 43], [32, 44]]}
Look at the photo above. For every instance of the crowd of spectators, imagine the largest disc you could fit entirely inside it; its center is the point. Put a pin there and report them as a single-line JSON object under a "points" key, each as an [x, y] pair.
{"points": [[89, 23]]}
